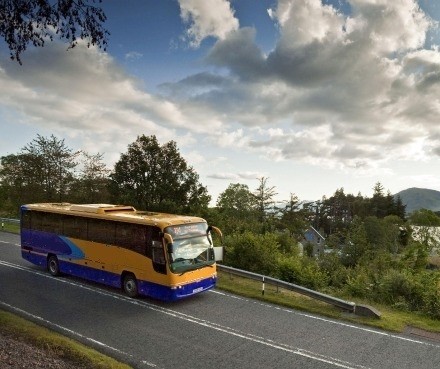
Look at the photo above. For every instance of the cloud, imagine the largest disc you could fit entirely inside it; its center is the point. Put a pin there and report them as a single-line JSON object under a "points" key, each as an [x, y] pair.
{"points": [[84, 93], [236, 176], [354, 90], [213, 18], [133, 55]]}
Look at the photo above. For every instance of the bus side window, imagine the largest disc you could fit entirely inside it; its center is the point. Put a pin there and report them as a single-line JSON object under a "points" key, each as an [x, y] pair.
{"points": [[131, 236], [101, 231], [75, 227], [26, 219], [158, 255], [37, 220]]}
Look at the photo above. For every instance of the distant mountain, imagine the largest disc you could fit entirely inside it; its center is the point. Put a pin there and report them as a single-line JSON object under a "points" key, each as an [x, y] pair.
{"points": [[418, 198]]}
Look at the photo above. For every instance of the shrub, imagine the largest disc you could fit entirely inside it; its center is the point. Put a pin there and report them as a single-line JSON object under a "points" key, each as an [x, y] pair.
{"points": [[258, 253], [302, 271]]}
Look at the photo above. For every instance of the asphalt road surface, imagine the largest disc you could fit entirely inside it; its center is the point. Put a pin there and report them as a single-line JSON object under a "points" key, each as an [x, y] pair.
{"points": [[211, 330]]}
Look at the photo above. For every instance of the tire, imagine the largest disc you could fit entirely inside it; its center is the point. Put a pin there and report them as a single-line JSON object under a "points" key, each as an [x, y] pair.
{"points": [[53, 266], [129, 285]]}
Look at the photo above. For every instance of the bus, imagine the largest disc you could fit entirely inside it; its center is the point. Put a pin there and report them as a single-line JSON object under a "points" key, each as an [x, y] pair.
{"points": [[163, 256]]}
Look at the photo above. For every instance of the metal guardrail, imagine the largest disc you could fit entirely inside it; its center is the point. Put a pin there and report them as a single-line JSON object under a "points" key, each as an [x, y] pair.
{"points": [[344, 305], [4, 221]]}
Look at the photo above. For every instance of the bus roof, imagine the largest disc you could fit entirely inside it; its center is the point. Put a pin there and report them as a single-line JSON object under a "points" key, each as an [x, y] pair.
{"points": [[115, 212]]}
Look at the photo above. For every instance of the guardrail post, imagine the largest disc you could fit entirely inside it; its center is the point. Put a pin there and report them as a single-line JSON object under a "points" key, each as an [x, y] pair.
{"points": [[262, 289]]}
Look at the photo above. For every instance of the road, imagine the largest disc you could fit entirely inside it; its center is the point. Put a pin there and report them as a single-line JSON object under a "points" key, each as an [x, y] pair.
{"points": [[213, 329]]}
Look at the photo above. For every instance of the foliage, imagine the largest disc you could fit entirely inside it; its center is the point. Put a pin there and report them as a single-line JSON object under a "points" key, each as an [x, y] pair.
{"points": [[303, 271], [155, 177], [258, 253], [91, 186], [45, 170], [236, 209], [424, 217], [375, 254], [264, 198], [335, 214], [293, 218], [24, 22], [42, 171]]}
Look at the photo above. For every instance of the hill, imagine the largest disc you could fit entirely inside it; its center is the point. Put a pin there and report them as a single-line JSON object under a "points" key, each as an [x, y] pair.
{"points": [[418, 198]]}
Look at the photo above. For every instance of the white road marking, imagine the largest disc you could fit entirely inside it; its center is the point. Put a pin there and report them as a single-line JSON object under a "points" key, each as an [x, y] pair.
{"points": [[352, 326], [228, 330], [13, 244], [60, 327], [205, 323]]}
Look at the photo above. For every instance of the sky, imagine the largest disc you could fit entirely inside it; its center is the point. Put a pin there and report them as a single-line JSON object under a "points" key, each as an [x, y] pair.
{"points": [[313, 95]]}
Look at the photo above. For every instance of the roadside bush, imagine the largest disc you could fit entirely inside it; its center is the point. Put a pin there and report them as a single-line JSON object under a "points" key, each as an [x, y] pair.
{"points": [[302, 271], [288, 245], [359, 283], [430, 283], [396, 288], [336, 273], [258, 253]]}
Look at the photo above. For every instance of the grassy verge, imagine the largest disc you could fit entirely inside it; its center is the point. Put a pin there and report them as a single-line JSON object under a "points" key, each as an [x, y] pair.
{"points": [[391, 319], [9, 227], [64, 347]]}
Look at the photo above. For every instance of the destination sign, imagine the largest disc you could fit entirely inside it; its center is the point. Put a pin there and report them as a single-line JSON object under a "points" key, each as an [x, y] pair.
{"points": [[187, 230]]}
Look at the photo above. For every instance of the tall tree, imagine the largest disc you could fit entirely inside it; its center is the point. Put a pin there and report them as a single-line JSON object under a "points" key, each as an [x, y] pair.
{"points": [[236, 206], [42, 171], [91, 186], [155, 177], [265, 203], [293, 217], [25, 22], [52, 164]]}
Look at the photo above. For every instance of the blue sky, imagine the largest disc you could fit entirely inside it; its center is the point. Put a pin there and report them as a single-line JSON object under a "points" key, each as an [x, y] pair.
{"points": [[315, 95]]}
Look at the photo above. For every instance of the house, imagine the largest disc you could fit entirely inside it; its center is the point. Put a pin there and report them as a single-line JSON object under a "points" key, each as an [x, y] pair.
{"points": [[315, 239]]}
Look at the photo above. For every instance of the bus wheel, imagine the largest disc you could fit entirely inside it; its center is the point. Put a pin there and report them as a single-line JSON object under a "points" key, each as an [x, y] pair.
{"points": [[130, 285], [53, 265]]}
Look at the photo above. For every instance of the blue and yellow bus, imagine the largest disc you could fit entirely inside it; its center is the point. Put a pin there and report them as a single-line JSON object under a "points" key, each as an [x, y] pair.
{"points": [[164, 256]]}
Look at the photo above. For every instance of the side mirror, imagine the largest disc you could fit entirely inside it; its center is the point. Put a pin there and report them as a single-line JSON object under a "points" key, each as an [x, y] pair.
{"points": [[218, 231], [169, 241]]}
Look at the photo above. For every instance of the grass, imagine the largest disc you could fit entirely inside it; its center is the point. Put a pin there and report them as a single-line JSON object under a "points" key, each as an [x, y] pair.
{"points": [[48, 340], [391, 319], [10, 227]]}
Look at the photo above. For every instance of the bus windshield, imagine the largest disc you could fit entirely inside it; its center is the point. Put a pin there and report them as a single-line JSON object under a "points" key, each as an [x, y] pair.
{"points": [[192, 247]]}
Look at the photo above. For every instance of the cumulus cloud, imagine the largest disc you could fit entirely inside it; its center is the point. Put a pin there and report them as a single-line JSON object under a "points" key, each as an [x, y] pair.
{"points": [[356, 89], [344, 90], [84, 93], [213, 18]]}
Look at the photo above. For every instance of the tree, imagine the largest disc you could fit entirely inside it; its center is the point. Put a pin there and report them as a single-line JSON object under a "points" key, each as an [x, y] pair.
{"points": [[24, 22], [265, 203], [236, 206], [293, 217], [52, 163], [356, 243], [424, 217], [91, 186], [42, 171], [17, 186], [155, 177]]}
